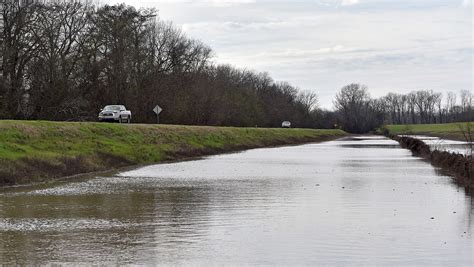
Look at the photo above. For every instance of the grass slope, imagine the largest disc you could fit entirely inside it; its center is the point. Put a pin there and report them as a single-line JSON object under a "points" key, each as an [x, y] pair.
{"points": [[447, 130], [34, 151]]}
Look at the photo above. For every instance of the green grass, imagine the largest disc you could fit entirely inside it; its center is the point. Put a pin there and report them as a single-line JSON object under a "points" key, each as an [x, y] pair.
{"points": [[447, 130], [40, 150]]}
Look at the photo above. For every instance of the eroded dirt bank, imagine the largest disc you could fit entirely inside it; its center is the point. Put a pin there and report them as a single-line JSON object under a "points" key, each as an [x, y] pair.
{"points": [[460, 166]]}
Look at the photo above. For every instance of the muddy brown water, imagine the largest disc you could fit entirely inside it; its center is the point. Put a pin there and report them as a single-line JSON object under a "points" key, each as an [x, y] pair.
{"points": [[362, 201]]}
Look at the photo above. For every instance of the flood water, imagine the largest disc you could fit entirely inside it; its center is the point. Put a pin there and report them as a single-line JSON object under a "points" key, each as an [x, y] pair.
{"points": [[362, 201], [441, 144]]}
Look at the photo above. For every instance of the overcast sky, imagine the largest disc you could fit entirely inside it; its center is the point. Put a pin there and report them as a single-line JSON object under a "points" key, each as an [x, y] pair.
{"points": [[322, 45]]}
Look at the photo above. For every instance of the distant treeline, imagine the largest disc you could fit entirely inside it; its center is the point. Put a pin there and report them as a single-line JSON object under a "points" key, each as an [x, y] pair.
{"points": [[357, 112], [64, 60]]}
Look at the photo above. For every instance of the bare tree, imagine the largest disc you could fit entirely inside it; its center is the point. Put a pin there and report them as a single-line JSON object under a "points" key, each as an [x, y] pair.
{"points": [[357, 109], [60, 58], [466, 104], [450, 101], [308, 99], [60, 36], [467, 130], [18, 47]]}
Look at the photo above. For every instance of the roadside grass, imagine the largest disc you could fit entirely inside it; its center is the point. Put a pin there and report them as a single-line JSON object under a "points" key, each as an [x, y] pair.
{"points": [[446, 130], [32, 151]]}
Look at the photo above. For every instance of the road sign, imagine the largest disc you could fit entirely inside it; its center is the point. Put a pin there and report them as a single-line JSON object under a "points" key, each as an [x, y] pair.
{"points": [[157, 110]]}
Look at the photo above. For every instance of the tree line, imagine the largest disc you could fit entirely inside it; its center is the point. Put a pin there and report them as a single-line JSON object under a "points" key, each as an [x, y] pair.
{"points": [[64, 60], [357, 112]]}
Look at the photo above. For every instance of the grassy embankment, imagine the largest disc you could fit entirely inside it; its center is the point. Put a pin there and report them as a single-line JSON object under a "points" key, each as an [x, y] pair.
{"points": [[35, 151], [446, 131]]}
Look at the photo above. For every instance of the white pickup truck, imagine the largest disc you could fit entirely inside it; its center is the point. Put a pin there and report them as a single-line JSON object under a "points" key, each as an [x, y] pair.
{"points": [[286, 124], [115, 113]]}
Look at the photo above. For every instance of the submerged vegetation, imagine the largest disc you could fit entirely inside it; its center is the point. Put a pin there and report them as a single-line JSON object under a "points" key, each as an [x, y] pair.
{"points": [[32, 151], [458, 165]]}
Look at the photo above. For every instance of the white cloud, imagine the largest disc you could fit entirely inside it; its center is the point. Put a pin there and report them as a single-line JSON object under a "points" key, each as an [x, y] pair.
{"points": [[390, 45], [212, 2], [349, 2], [305, 53], [227, 2]]}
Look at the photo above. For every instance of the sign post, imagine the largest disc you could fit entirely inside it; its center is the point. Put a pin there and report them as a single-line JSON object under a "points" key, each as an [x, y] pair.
{"points": [[157, 111]]}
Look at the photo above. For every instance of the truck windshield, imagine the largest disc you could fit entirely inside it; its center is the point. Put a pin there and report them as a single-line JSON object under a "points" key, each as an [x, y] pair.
{"points": [[112, 108]]}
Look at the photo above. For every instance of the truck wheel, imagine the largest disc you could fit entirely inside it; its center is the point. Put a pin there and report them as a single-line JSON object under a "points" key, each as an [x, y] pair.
{"points": [[129, 119]]}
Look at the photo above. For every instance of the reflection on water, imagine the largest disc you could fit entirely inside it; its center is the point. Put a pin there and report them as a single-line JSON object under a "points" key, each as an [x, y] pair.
{"points": [[353, 201]]}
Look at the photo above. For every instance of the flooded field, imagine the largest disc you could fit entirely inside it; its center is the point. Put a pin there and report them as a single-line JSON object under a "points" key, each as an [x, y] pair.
{"points": [[362, 201], [442, 144]]}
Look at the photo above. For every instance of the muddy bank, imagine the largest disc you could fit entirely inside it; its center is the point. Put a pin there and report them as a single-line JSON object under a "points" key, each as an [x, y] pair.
{"points": [[460, 166], [38, 151]]}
